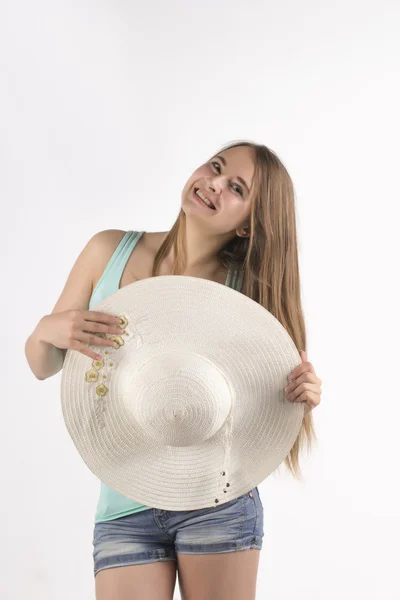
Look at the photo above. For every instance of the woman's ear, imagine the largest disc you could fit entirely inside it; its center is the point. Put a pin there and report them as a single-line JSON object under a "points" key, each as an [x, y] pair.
{"points": [[243, 232]]}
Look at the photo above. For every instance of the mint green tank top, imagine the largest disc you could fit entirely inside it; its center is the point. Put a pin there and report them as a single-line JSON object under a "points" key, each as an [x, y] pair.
{"points": [[112, 505]]}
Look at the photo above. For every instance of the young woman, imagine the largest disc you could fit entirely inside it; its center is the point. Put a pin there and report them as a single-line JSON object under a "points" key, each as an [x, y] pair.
{"points": [[237, 227]]}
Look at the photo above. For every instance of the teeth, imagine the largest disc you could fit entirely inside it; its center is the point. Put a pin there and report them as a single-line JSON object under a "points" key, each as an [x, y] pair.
{"points": [[200, 195]]}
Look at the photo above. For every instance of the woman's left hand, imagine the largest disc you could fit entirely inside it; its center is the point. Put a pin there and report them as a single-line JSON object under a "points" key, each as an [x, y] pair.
{"points": [[304, 385]]}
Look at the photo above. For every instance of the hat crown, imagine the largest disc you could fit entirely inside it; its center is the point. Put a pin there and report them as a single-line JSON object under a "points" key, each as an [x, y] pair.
{"points": [[178, 399]]}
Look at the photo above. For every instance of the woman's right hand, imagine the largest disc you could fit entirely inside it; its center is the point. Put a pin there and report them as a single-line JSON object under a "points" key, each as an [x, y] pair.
{"points": [[76, 330]]}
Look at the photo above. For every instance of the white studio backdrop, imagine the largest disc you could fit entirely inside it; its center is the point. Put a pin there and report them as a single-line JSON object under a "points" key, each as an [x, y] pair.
{"points": [[106, 108]]}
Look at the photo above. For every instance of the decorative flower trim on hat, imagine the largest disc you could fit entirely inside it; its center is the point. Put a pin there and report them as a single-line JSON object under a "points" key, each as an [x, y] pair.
{"points": [[102, 369]]}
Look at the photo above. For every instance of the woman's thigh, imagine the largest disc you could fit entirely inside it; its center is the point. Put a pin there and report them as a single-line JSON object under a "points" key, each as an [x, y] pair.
{"points": [[151, 580], [218, 550], [220, 576]]}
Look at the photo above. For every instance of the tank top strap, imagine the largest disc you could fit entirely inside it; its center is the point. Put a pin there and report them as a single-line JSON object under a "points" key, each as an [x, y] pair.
{"points": [[235, 279], [112, 274], [123, 252]]}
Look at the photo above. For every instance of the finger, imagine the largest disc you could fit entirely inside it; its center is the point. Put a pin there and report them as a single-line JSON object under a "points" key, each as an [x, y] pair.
{"points": [[306, 377], [90, 339], [83, 349], [311, 368], [87, 352], [100, 317], [300, 389], [300, 369], [95, 340], [101, 328], [309, 397]]}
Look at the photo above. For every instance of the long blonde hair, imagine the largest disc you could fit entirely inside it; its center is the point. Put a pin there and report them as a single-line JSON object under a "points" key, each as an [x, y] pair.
{"points": [[269, 258]]}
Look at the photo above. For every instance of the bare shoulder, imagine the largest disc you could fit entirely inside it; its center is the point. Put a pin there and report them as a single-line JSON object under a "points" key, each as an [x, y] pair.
{"points": [[92, 259], [102, 246], [105, 240]]}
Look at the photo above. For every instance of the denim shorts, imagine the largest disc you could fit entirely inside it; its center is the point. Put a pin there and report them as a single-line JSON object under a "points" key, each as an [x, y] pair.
{"points": [[154, 535]]}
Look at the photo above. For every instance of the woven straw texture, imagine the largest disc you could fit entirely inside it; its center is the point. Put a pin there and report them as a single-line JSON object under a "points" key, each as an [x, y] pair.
{"points": [[189, 411]]}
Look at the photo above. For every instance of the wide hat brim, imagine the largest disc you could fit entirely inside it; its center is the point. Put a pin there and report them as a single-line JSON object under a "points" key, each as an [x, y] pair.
{"points": [[190, 410]]}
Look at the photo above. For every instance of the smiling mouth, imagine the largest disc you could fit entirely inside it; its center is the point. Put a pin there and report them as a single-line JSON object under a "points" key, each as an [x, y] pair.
{"points": [[202, 201]]}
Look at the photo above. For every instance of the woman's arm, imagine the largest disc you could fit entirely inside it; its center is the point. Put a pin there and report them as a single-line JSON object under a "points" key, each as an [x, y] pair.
{"points": [[44, 359]]}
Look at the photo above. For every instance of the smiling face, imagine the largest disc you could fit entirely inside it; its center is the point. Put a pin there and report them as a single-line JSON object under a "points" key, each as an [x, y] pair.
{"points": [[226, 181]]}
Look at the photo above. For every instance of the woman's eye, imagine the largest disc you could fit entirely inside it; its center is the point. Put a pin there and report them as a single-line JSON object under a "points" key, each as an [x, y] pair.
{"points": [[234, 184], [238, 186]]}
